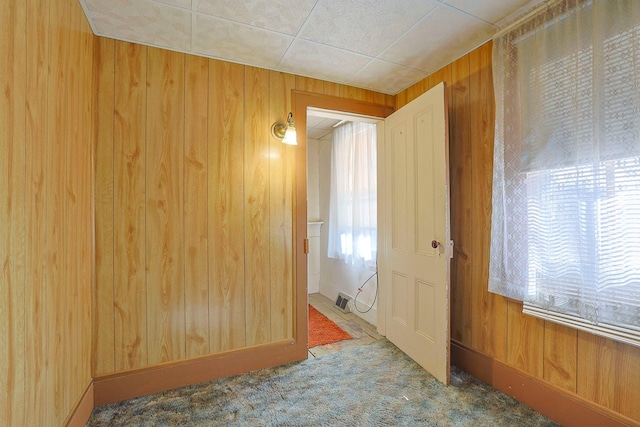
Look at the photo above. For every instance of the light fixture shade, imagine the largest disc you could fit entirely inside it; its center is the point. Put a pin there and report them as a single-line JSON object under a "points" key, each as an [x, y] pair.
{"points": [[290, 136], [285, 132]]}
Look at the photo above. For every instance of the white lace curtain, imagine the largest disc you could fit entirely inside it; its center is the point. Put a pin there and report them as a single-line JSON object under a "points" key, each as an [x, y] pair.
{"points": [[353, 195], [566, 187]]}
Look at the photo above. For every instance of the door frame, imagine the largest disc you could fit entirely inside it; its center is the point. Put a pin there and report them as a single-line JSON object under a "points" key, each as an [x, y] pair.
{"points": [[300, 101]]}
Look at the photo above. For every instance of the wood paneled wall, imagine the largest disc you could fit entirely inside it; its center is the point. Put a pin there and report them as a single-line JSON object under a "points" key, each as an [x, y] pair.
{"points": [[45, 211], [599, 370], [194, 205]]}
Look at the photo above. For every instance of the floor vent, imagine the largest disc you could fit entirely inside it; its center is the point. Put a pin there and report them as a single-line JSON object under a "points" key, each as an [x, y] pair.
{"points": [[341, 303]]}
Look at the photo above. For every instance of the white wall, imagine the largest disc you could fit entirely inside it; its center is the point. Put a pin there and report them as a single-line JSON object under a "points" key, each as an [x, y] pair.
{"points": [[335, 275]]}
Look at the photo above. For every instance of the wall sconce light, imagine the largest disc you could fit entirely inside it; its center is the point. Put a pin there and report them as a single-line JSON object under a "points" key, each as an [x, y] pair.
{"points": [[285, 132]]}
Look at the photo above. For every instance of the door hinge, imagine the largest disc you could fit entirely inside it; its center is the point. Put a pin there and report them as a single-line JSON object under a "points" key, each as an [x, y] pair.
{"points": [[306, 246]]}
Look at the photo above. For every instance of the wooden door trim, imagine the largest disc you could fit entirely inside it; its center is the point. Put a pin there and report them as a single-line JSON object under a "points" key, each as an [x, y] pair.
{"points": [[301, 101]]}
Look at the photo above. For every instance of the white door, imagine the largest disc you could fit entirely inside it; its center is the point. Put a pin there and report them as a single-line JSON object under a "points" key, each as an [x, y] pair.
{"points": [[417, 249]]}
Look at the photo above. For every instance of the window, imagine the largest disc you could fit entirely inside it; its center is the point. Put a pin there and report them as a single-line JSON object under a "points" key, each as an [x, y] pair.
{"points": [[566, 194], [353, 195]]}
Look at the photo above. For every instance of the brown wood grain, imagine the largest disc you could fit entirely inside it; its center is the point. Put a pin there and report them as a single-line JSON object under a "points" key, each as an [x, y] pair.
{"points": [[164, 213], [308, 84], [460, 175], [256, 215], [12, 210], [59, 133], [103, 122], [226, 207], [560, 355], [489, 311], [525, 340], [36, 337], [196, 233], [281, 182], [129, 154]]}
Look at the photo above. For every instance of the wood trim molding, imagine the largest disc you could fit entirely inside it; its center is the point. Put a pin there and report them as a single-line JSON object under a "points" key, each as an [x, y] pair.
{"points": [[560, 405], [82, 411], [141, 382], [300, 101]]}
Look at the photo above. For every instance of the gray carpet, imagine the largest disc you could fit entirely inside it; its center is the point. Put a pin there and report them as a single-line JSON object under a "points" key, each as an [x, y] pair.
{"points": [[371, 385]]}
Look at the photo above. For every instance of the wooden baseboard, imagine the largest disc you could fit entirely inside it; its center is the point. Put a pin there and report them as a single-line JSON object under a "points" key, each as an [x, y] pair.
{"points": [[560, 405], [154, 379], [82, 411]]}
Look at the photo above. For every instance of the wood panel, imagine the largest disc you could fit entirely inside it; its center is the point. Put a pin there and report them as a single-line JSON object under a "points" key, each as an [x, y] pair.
{"points": [[608, 374], [103, 122], [226, 207], [489, 314], [45, 197], [37, 49], [256, 229], [12, 211], [196, 233], [461, 198], [560, 355], [58, 134], [130, 291], [281, 179], [164, 212]]}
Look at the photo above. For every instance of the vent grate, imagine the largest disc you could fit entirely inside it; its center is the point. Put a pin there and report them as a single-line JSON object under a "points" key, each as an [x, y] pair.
{"points": [[342, 303]]}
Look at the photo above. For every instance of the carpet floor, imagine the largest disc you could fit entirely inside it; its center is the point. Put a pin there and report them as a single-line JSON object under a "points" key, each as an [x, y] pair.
{"points": [[323, 330], [370, 385]]}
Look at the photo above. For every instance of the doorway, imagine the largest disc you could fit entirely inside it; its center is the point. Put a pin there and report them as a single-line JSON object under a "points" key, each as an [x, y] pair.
{"points": [[302, 102], [342, 210]]}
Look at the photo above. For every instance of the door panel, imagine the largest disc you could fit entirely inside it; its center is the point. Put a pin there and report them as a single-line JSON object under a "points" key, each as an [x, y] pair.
{"points": [[415, 215]]}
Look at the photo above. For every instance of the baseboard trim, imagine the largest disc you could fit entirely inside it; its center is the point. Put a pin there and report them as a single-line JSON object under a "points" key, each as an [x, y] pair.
{"points": [[82, 411], [141, 382], [560, 405]]}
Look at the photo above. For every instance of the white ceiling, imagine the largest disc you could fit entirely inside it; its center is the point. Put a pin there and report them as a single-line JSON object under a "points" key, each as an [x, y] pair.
{"points": [[382, 45]]}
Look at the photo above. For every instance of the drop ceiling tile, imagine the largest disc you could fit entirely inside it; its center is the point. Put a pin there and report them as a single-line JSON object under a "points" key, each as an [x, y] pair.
{"points": [[142, 21], [323, 62], [439, 39], [186, 4], [365, 27], [277, 15], [220, 38], [491, 11], [386, 77]]}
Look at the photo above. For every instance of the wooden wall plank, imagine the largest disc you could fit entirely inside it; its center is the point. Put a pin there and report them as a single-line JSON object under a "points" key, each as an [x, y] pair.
{"points": [[37, 49], [104, 83], [308, 84], [195, 205], [461, 199], [226, 206], [73, 221], [560, 355], [329, 88], [489, 312], [164, 174], [12, 211], [607, 373], [60, 280], [85, 261], [129, 207], [256, 219], [525, 345], [281, 182]]}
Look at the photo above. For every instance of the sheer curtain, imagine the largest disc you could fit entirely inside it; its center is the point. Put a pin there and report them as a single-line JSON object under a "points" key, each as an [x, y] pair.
{"points": [[566, 187], [353, 195]]}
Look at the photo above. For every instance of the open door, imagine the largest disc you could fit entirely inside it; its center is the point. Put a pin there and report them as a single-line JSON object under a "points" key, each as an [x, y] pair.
{"points": [[417, 249]]}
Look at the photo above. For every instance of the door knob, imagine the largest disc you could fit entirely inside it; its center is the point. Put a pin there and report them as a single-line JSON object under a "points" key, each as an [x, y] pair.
{"points": [[435, 244]]}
